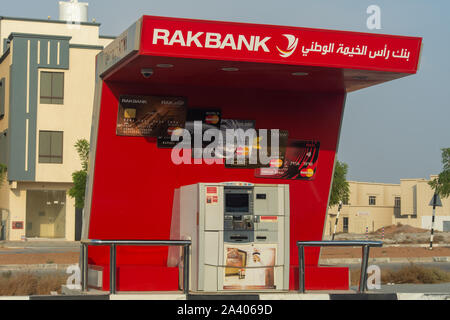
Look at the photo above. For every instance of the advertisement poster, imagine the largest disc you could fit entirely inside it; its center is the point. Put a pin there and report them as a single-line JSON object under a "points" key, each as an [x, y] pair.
{"points": [[262, 145], [249, 267], [300, 162], [229, 124], [150, 116], [210, 119]]}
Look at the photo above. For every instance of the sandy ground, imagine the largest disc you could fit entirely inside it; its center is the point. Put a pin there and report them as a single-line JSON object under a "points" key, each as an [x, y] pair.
{"points": [[39, 258], [387, 252], [399, 234]]}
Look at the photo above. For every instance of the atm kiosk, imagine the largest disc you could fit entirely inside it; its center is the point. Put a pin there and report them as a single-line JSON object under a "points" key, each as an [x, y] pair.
{"points": [[272, 77], [239, 233]]}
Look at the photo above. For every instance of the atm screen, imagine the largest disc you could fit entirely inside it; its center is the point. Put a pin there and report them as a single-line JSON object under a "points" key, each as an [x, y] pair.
{"points": [[237, 202]]}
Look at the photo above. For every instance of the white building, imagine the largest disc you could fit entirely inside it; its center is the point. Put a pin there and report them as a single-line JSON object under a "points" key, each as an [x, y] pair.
{"points": [[47, 75]]}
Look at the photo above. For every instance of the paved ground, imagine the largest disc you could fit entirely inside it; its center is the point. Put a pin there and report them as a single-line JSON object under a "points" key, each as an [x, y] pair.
{"points": [[39, 258], [39, 252], [443, 288], [396, 266], [385, 252], [36, 247]]}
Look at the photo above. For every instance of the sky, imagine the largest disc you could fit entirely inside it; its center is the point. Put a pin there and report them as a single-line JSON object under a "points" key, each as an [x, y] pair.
{"points": [[391, 131]]}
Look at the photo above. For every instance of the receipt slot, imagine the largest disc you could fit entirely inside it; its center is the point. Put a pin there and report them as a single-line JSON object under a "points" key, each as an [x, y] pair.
{"points": [[239, 233]]}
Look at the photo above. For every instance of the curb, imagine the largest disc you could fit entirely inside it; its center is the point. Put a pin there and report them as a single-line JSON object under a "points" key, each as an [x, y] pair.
{"points": [[441, 259], [33, 267], [254, 297], [385, 260]]}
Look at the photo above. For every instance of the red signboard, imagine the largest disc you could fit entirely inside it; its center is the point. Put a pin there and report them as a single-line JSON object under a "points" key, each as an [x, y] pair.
{"points": [[276, 44], [17, 225]]}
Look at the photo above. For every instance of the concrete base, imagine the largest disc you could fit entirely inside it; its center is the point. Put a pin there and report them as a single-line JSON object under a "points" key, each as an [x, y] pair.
{"points": [[336, 295], [164, 296], [148, 296]]}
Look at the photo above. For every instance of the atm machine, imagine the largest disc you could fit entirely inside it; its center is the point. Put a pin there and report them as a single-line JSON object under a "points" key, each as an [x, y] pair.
{"points": [[239, 233]]}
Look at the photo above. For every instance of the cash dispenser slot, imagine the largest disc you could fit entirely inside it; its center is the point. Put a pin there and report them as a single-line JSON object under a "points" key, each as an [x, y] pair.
{"points": [[238, 238]]}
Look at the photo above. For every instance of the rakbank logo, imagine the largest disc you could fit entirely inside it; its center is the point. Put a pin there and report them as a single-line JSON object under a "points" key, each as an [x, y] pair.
{"points": [[292, 46], [210, 40]]}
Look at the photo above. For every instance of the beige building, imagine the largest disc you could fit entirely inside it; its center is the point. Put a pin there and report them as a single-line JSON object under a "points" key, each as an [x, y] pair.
{"points": [[375, 205], [47, 79]]}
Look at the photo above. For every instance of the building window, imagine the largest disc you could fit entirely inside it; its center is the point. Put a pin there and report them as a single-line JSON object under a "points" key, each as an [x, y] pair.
{"points": [[372, 200], [345, 201], [52, 87], [2, 98], [397, 206], [345, 225], [50, 147], [398, 202]]}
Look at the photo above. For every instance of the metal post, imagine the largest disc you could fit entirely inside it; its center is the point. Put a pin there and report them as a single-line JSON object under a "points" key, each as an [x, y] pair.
{"points": [[81, 265], [432, 222], [337, 220], [186, 269], [112, 269], [364, 263], [84, 267], [301, 269]]}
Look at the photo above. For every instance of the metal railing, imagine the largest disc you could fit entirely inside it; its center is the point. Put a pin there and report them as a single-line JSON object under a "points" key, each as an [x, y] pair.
{"points": [[364, 262], [112, 258]]}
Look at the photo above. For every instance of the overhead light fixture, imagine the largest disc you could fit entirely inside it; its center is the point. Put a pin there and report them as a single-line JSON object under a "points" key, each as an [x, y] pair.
{"points": [[300, 74], [230, 69], [165, 65]]}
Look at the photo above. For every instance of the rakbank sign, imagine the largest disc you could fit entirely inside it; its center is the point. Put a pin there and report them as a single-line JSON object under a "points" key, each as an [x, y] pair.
{"points": [[210, 40]]}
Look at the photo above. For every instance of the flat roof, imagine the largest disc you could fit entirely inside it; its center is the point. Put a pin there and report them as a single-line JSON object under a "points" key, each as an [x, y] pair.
{"points": [[260, 56], [107, 37], [375, 183], [48, 21]]}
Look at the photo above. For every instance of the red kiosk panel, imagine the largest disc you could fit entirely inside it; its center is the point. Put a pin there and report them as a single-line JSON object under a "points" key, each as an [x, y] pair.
{"points": [[132, 181]]}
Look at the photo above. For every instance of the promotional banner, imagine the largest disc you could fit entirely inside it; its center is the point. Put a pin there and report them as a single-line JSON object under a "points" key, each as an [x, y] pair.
{"points": [[150, 116], [234, 126], [249, 266], [263, 151], [300, 162], [209, 118]]}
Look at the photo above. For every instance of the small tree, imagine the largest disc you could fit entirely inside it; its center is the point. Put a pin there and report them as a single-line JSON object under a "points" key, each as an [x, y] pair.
{"points": [[79, 177], [441, 185], [3, 170], [340, 191]]}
